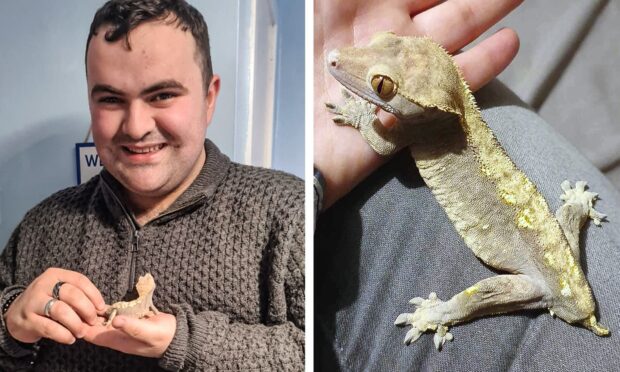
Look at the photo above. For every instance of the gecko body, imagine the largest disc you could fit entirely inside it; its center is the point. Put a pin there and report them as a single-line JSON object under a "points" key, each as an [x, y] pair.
{"points": [[494, 206], [140, 307]]}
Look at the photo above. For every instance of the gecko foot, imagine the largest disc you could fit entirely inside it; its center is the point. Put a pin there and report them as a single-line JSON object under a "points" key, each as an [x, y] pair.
{"points": [[425, 318], [353, 112], [580, 196]]}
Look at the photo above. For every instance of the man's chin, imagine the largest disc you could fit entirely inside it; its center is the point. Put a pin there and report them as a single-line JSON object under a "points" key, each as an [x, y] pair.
{"points": [[145, 188]]}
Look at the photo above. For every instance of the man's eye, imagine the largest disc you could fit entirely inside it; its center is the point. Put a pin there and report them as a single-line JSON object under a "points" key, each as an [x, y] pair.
{"points": [[111, 100], [163, 96]]}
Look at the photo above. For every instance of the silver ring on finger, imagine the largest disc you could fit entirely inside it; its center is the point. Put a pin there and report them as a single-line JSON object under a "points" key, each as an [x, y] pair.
{"points": [[48, 307], [56, 290]]}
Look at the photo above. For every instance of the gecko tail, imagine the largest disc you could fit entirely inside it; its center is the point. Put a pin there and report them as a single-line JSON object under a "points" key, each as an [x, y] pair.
{"points": [[593, 325]]}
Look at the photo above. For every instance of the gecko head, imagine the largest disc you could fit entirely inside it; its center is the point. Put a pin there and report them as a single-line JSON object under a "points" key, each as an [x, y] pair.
{"points": [[145, 284], [402, 75], [371, 76]]}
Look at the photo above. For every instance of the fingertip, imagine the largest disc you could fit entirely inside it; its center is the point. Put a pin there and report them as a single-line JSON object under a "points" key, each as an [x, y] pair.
{"points": [[511, 40], [82, 332], [489, 58], [119, 321]]}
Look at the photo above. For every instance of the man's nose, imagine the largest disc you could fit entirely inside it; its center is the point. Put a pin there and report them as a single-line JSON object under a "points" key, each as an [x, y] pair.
{"points": [[138, 121]]}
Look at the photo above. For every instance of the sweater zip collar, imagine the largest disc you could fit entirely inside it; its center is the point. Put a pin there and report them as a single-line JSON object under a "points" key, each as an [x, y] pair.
{"points": [[134, 224], [211, 175]]}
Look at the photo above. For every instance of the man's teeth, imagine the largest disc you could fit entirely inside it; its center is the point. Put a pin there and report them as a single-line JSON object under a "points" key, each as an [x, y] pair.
{"points": [[145, 150]]}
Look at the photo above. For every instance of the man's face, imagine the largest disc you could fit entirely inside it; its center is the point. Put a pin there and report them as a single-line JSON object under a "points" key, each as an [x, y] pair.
{"points": [[148, 108]]}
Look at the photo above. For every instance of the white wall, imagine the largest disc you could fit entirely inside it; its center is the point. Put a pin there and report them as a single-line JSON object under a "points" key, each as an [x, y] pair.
{"points": [[44, 109]]}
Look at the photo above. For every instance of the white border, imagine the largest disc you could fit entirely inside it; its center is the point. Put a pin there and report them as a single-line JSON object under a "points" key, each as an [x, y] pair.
{"points": [[309, 176]]}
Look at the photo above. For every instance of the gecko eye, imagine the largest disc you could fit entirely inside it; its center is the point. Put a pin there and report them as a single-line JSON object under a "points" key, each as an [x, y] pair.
{"points": [[383, 86]]}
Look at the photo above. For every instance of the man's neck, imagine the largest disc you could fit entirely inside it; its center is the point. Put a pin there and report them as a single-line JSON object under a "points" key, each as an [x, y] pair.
{"points": [[146, 209]]}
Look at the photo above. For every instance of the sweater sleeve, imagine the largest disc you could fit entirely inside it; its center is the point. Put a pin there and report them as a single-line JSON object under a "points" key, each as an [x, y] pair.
{"points": [[210, 340], [13, 355]]}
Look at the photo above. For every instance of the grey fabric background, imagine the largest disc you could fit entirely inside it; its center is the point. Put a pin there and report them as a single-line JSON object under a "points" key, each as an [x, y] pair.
{"points": [[389, 241], [567, 70]]}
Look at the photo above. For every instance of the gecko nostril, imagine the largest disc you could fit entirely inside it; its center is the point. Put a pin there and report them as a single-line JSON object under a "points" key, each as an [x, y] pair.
{"points": [[332, 58]]}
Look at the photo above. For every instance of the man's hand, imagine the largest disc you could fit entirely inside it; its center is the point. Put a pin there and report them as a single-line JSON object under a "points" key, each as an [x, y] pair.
{"points": [[77, 307], [149, 337], [340, 153]]}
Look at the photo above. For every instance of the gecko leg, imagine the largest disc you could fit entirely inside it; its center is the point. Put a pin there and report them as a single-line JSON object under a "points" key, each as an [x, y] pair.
{"points": [[110, 317], [577, 208], [494, 295], [362, 115], [355, 111]]}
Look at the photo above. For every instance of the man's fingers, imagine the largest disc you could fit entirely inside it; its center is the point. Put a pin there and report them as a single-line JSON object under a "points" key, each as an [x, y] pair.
{"points": [[486, 60], [418, 6], [456, 23], [77, 299], [85, 285], [64, 315], [54, 331]]}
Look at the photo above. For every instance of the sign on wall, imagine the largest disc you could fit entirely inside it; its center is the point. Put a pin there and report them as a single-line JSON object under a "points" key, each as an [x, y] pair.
{"points": [[88, 162]]}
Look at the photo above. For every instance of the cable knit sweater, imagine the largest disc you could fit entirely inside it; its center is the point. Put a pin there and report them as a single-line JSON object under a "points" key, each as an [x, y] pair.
{"points": [[227, 257]]}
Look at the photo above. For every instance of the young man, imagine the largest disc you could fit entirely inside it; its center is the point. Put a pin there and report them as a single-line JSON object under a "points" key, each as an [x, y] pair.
{"points": [[223, 241]]}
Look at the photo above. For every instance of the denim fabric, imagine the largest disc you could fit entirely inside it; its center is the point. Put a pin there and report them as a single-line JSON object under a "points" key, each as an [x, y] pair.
{"points": [[388, 241]]}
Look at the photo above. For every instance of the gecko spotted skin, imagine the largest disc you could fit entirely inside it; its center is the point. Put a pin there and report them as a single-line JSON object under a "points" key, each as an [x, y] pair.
{"points": [[495, 208], [141, 307]]}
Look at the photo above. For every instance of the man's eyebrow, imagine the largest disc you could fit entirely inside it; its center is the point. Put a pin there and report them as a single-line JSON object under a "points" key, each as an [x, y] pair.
{"points": [[104, 88], [166, 84]]}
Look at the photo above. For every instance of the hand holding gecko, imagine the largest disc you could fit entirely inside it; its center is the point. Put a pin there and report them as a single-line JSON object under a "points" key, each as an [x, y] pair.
{"points": [[132, 334], [148, 337], [341, 154]]}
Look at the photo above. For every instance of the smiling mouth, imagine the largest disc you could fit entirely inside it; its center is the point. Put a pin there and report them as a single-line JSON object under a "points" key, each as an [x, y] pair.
{"points": [[143, 150]]}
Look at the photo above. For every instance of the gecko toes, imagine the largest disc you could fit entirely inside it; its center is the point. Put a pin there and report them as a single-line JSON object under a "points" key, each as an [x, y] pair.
{"points": [[427, 317], [412, 335], [403, 319]]}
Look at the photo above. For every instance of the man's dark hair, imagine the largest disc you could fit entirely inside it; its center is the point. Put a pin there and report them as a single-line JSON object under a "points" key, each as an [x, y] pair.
{"points": [[125, 15]]}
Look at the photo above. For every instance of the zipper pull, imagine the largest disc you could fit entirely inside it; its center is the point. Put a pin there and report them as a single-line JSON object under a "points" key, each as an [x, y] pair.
{"points": [[136, 236], [132, 262]]}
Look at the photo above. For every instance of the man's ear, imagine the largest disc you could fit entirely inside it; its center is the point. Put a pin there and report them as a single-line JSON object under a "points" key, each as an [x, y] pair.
{"points": [[214, 90]]}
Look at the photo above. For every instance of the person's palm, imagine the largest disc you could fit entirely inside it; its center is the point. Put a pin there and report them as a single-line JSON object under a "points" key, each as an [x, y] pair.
{"points": [[340, 153]]}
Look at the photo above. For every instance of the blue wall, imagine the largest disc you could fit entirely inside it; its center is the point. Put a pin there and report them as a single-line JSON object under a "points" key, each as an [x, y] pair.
{"points": [[288, 149]]}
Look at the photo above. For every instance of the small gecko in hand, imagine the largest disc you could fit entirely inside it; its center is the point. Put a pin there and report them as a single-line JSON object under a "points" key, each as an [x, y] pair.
{"points": [[141, 307]]}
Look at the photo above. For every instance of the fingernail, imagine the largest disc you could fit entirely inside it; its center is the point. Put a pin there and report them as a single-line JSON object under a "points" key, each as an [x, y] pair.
{"points": [[72, 341]]}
